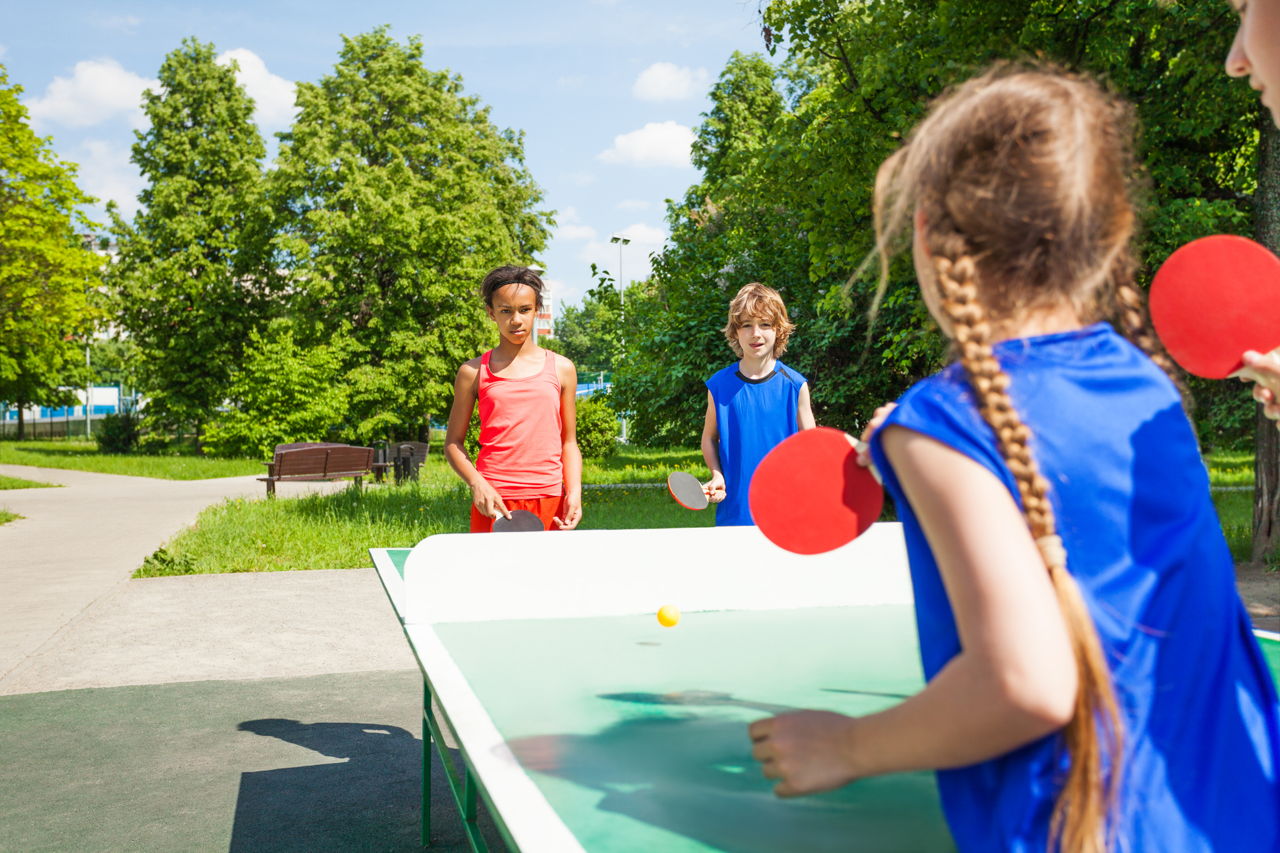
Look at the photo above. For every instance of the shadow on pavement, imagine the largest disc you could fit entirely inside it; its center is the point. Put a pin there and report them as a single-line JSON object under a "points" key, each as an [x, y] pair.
{"points": [[369, 801]]}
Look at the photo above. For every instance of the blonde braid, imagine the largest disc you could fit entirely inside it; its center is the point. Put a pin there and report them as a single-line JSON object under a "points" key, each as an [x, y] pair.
{"points": [[1080, 814], [1135, 323]]}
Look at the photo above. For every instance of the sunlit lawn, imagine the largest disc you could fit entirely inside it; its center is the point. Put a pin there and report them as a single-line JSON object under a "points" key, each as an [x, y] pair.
{"points": [[84, 456], [335, 531], [1231, 476], [18, 483], [6, 516]]}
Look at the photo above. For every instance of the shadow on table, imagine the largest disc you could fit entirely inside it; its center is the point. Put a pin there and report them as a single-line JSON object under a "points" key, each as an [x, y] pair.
{"points": [[368, 802], [684, 764]]}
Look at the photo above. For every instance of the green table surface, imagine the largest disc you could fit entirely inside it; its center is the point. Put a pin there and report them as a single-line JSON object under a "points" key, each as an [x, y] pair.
{"points": [[637, 734]]}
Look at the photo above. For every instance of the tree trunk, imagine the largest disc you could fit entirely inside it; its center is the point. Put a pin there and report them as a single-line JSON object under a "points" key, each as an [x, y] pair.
{"points": [[1266, 463], [22, 421]]}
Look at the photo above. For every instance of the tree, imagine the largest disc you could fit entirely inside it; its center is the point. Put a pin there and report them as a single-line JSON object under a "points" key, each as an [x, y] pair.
{"points": [[395, 195], [591, 335], [282, 393], [192, 281], [47, 274], [1266, 460]]}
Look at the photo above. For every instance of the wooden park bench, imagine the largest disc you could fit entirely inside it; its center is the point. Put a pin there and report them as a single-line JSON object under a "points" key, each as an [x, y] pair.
{"points": [[317, 461]]}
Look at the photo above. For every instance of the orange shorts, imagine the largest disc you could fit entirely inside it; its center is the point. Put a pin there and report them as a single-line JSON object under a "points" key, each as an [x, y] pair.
{"points": [[544, 508]]}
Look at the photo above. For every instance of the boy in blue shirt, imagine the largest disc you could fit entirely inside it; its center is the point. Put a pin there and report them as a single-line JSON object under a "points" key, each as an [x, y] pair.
{"points": [[752, 405]]}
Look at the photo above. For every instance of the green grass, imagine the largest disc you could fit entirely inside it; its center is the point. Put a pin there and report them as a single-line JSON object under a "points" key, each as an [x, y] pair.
{"points": [[335, 531], [1230, 469], [6, 516], [643, 465], [18, 483], [1235, 507], [1235, 513], [84, 456]]}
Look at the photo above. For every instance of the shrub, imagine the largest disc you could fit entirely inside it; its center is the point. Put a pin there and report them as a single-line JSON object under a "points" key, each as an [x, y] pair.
{"points": [[118, 432], [597, 427], [282, 392]]}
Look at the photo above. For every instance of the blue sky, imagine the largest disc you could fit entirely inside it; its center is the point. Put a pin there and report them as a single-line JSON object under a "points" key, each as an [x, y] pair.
{"points": [[607, 91]]}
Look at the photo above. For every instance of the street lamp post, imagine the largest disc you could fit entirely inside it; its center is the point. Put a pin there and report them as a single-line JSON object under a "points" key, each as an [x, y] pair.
{"points": [[622, 240]]}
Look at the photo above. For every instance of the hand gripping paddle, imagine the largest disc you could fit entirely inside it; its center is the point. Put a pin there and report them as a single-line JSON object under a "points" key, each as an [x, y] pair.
{"points": [[810, 495], [521, 521], [687, 490], [1213, 299]]}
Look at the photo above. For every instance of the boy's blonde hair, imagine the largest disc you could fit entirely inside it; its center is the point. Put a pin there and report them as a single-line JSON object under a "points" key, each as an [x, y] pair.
{"points": [[1023, 180], [756, 300]]}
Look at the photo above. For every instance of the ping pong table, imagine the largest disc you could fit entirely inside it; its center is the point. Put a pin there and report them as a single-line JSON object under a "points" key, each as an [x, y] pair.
{"points": [[585, 725]]}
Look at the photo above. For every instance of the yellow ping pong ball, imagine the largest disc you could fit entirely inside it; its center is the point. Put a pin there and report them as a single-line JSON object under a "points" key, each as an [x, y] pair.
{"points": [[668, 615]]}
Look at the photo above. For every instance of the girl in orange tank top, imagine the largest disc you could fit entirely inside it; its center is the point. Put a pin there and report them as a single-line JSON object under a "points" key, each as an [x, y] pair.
{"points": [[529, 456]]}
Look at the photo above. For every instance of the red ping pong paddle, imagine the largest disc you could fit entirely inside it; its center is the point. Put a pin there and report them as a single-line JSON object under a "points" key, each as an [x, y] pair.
{"points": [[810, 495], [687, 490], [521, 521], [1213, 299]]}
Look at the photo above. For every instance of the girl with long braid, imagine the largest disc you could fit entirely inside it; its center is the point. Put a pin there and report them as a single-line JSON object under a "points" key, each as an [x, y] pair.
{"points": [[1093, 681]]}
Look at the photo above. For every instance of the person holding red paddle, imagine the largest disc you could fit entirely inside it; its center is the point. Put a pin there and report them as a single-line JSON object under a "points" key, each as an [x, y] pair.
{"points": [[1093, 682], [529, 458], [1255, 54]]}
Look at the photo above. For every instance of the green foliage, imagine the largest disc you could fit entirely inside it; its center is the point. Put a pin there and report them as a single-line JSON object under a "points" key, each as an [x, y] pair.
{"points": [[47, 274], [394, 195], [597, 427], [789, 155], [590, 335], [281, 393], [118, 432], [114, 361], [192, 281], [1224, 415]]}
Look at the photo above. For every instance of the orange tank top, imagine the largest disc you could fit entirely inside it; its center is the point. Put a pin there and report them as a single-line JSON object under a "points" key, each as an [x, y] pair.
{"points": [[521, 434]]}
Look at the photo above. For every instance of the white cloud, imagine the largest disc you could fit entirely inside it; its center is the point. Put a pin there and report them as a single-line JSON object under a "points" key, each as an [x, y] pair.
{"points": [[571, 82], [106, 172], [664, 81], [570, 226], [634, 204], [656, 144], [645, 240], [96, 91], [272, 95]]}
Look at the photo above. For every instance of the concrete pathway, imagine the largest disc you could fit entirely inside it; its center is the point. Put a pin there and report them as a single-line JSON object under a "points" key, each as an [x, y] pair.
{"points": [[278, 711], [76, 544]]}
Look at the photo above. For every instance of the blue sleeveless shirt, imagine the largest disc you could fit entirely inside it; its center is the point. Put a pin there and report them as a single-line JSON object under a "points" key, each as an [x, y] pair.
{"points": [[1131, 493], [752, 417]]}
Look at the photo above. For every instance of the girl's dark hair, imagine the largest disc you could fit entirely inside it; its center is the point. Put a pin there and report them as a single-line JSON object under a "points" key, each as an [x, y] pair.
{"points": [[510, 274]]}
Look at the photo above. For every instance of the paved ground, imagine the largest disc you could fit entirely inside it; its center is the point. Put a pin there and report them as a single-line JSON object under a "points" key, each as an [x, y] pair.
{"points": [[264, 712], [76, 544]]}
